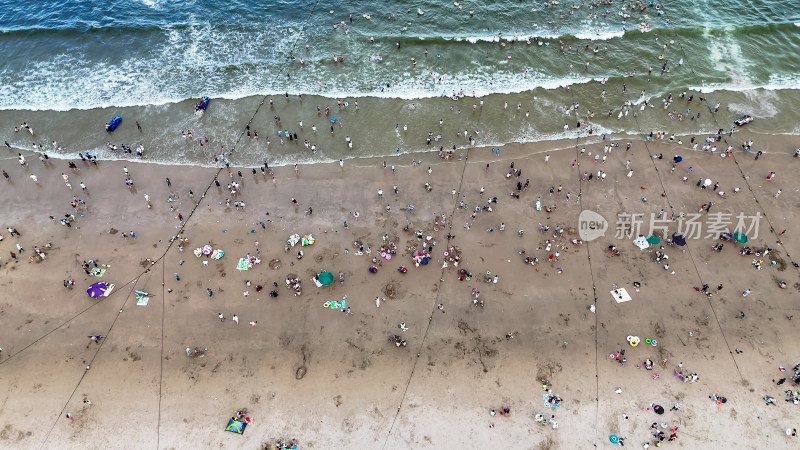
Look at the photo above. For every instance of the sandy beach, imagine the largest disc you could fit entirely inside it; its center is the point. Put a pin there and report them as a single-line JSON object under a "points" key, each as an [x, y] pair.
{"points": [[331, 378]]}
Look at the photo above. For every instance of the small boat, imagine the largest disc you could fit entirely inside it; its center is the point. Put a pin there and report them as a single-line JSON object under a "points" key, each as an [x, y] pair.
{"points": [[202, 104], [743, 121], [112, 125]]}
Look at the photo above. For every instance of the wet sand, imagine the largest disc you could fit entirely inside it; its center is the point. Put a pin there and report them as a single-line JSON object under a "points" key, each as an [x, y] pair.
{"points": [[301, 360], [377, 126]]}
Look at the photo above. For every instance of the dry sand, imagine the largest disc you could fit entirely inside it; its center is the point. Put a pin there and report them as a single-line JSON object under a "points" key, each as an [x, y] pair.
{"points": [[292, 369]]}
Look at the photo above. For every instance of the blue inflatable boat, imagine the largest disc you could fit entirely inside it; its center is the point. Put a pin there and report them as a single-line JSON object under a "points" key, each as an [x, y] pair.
{"points": [[202, 104], [111, 126]]}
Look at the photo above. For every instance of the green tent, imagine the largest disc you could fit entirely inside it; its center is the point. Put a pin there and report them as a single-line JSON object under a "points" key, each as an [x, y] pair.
{"points": [[325, 278], [740, 237], [234, 426], [653, 240]]}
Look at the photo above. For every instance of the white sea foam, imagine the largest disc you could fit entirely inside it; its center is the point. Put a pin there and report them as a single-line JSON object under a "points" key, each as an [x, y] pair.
{"points": [[596, 34], [104, 85], [192, 62], [152, 3], [600, 35], [773, 84], [49, 85]]}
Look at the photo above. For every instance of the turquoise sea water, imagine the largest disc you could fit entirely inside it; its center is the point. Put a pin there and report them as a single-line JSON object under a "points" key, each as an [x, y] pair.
{"points": [[152, 59]]}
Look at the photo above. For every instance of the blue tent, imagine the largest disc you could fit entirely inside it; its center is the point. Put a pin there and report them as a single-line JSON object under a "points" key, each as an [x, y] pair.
{"points": [[234, 426]]}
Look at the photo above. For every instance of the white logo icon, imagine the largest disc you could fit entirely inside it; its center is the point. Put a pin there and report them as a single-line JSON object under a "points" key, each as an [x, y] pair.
{"points": [[591, 225]]}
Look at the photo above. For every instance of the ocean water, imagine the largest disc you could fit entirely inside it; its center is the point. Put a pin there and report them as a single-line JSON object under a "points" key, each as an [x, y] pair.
{"points": [[71, 65]]}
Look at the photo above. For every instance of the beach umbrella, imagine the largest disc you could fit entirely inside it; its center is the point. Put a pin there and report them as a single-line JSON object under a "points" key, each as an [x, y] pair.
{"points": [[97, 290], [658, 409], [679, 239], [653, 240], [333, 119], [677, 158], [325, 278], [707, 182], [614, 439], [740, 237]]}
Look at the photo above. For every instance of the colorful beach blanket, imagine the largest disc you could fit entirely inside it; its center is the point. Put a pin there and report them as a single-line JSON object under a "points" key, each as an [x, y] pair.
{"points": [[549, 401]]}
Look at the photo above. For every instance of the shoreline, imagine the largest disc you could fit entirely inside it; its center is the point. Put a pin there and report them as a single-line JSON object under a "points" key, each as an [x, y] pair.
{"points": [[377, 128], [775, 144]]}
